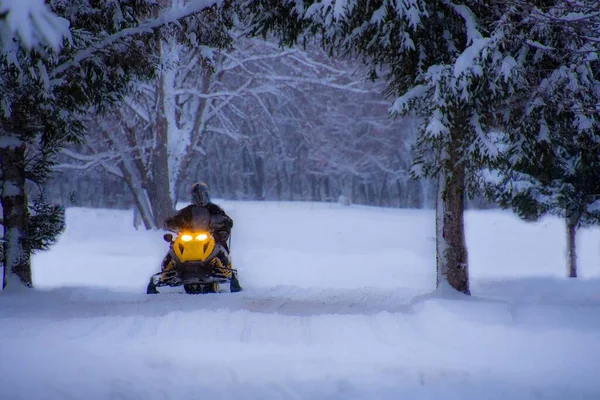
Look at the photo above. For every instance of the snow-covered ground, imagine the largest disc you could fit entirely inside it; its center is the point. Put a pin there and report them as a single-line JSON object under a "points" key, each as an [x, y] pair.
{"points": [[335, 307]]}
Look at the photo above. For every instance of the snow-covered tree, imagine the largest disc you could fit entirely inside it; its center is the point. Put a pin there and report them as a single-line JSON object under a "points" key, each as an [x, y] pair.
{"points": [[216, 89], [317, 142], [469, 70], [429, 52], [551, 127], [45, 95]]}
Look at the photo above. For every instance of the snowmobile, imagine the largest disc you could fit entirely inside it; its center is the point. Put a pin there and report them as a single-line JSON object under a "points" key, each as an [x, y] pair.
{"points": [[195, 265]]}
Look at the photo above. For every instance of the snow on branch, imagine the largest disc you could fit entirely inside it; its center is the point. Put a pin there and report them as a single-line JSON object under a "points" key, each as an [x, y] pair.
{"points": [[401, 104], [320, 82], [146, 27], [472, 30], [133, 106], [214, 111], [254, 58], [436, 126], [467, 60], [482, 141], [539, 45], [33, 23], [594, 207], [91, 160], [202, 95], [10, 141]]}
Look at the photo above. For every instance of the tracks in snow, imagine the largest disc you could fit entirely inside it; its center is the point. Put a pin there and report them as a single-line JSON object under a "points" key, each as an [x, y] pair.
{"points": [[272, 343], [284, 300]]}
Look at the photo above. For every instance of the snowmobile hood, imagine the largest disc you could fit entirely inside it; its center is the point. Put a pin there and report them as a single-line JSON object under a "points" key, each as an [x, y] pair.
{"points": [[194, 246]]}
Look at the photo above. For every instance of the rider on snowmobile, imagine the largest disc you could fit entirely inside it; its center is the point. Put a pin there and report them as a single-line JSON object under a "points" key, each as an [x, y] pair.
{"points": [[219, 223]]}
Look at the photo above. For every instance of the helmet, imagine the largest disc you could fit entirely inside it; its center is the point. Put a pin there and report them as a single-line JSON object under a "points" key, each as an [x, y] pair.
{"points": [[199, 193]]}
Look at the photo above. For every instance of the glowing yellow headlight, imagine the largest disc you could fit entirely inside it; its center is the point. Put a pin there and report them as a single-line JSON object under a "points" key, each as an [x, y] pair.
{"points": [[202, 236], [186, 238]]}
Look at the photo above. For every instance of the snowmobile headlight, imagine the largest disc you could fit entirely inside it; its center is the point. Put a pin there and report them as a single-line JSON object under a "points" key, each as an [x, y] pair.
{"points": [[186, 238], [202, 236]]}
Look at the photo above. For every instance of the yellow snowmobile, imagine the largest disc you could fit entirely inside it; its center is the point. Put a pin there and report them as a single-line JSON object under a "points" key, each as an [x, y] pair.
{"points": [[193, 261]]}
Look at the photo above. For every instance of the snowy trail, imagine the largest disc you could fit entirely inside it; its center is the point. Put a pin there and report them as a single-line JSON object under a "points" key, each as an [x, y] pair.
{"points": [[283, 300], [272, 344], [266, 354], [357, 337]]}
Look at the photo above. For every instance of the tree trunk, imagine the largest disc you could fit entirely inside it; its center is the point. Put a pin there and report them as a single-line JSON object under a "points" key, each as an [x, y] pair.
{"points": [[143, 207], [139, 195], [400, 190], [158, 185], [291, 184], [383, 193], [314, 190], [327, 189], [198, 133], [159, 196], [278, 186], [259, 178], [571, 247], [17, 259], [451, 248]]}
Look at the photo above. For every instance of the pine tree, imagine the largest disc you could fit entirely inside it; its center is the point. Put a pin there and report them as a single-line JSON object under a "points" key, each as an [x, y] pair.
{"points": [[44, 98], [488, 78], [429, 53], [551, 141], [45, 95], [46, 222]]}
